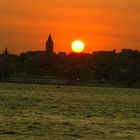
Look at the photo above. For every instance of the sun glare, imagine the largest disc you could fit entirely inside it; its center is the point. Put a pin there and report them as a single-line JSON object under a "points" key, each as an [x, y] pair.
{"points": [[77, 46]]}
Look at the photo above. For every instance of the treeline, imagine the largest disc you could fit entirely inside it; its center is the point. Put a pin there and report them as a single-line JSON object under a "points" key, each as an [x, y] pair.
{"points": [[121, 68]]}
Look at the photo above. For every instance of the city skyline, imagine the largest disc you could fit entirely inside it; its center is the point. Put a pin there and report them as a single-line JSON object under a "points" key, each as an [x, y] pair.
{"points": [[101, 25]]}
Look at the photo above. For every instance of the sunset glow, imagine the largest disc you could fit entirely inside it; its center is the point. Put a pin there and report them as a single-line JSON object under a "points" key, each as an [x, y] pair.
{"points": [[77, 46], [102, 24]]}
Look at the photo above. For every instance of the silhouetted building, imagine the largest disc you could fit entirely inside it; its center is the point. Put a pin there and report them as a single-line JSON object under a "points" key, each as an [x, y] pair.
{"points": [[49, 45], [6, 51]]}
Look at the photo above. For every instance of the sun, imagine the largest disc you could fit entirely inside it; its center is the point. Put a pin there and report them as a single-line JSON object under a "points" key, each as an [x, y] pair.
{"points": [[77, 46]]}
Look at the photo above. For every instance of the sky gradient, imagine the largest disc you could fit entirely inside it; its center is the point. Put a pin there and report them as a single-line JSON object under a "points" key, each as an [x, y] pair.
{"points": [[101, 25]]}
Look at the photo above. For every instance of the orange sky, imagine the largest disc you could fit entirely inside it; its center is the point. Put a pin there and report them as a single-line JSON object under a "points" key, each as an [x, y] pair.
{"points": [[101, 24]]}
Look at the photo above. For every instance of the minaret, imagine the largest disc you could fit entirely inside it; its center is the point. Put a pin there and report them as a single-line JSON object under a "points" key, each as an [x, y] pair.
{"points": [[49, 45]]}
